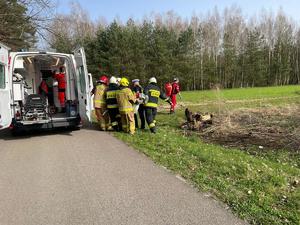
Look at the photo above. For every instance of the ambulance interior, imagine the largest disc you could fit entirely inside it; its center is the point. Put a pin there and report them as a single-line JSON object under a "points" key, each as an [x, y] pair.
{"points": [[38, 94]]}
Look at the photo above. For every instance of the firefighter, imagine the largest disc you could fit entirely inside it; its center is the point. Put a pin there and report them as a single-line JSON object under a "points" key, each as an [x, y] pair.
{"points": [[153, 93], [175, 91], [99, 102], [61, 80], [139, 106], [125, 99], [112, 104]]}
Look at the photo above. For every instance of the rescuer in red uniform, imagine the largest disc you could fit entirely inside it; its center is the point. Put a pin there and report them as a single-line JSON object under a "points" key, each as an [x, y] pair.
{"points": [[61, 80], [175, 91], [168, 89]]}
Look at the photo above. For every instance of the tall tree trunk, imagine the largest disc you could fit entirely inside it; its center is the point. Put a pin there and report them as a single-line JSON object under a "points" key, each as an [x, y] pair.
{"points": [[201, 73], [297, 65], [269, 67]]}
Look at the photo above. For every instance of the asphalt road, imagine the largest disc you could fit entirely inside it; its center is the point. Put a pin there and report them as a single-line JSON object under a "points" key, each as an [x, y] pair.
{"points": [[89, 177]]}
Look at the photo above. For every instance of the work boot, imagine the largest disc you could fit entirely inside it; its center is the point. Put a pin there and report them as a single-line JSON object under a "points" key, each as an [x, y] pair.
{"points": [[116, 128], [102, 127], [110, 128], [153, 130]]}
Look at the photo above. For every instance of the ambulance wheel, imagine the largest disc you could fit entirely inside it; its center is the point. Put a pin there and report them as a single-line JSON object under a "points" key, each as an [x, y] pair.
{"points": [[16, 132], [74, 128]]}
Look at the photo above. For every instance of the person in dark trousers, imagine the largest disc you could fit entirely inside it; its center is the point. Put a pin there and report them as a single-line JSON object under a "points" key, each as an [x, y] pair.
{"points": [[112, 105], [138, 91], [153, 93]]}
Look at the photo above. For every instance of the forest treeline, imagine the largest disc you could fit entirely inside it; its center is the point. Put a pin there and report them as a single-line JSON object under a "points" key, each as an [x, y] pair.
{"points": [[23, 22], [225, 48], [217, 48]]}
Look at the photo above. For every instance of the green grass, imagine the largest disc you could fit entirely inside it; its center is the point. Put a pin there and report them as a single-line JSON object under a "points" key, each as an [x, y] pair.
{"points": [[242, 94], [258, 186]]}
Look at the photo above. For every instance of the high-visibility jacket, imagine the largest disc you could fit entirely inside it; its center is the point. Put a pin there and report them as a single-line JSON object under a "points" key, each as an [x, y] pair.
{"points": [[125, 99], [99, 98], [154, 93], [111, 96]]}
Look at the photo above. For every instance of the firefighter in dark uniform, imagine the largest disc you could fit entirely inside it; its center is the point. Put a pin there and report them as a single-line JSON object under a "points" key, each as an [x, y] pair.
{"points": [[138, 91], [112, 104], [153, 93]]}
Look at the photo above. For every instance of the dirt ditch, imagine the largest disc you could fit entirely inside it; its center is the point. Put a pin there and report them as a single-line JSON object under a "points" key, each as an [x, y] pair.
{"points": [[272, 127]]}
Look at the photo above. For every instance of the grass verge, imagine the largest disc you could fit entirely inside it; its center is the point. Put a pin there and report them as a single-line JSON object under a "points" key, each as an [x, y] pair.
{"points": [[262, 188]]}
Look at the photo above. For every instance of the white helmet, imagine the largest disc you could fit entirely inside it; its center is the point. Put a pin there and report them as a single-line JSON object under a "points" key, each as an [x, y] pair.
{"points": [[153, 80], [118, 80], [113, 80]]}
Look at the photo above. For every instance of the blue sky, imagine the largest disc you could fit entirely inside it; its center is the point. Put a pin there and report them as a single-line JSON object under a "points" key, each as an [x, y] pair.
{"points": [[124, 9]]}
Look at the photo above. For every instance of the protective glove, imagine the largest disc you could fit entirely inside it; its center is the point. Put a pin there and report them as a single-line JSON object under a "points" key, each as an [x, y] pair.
{"points": [[140, 101]]}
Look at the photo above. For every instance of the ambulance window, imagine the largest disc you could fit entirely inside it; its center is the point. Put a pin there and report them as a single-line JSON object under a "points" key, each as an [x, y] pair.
{"points": [[82, 80], [2, 76]]}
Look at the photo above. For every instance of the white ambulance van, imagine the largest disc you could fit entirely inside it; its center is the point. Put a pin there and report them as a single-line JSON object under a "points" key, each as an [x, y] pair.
{"points": [[24, 102]]}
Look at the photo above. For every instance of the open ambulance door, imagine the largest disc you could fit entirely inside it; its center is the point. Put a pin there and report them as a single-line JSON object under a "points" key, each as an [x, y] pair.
{"points": [[5, 89], [83, 85], [91, 86]]}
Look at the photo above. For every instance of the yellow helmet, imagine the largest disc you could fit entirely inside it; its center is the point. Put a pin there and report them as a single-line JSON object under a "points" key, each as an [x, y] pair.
{"points": [[124, 82]]}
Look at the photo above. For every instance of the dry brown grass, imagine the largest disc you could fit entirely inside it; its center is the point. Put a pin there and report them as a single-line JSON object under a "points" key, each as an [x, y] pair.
{"points": [[273, 127]]}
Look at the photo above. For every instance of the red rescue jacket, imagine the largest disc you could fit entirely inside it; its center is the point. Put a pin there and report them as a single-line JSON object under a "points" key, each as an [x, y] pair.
{"points": [[60, 77], [43, 87], [168, 89], [175, 88]]}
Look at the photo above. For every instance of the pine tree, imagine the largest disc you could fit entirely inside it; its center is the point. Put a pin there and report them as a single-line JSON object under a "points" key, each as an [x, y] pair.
{"points": [[16, 29]]}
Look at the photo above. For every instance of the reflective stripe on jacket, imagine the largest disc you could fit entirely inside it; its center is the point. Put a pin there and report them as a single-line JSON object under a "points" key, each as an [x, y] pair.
{"points": [[111, 96], [99, 99], [154, 93], [125, 99]]}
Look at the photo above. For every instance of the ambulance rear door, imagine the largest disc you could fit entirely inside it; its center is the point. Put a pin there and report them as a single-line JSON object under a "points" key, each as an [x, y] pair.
{"points": [[5, 89], [83, 85], [91, 85]]}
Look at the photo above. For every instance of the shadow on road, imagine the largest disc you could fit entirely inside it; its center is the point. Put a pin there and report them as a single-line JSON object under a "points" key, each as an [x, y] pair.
{"points": [[90, 126], [7, 134]]}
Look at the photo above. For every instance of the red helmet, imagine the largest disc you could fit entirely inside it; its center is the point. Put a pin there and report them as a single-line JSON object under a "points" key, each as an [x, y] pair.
{"points": [[103, 79]]}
